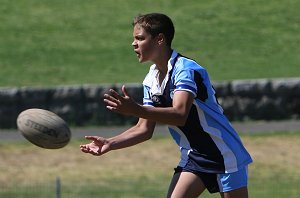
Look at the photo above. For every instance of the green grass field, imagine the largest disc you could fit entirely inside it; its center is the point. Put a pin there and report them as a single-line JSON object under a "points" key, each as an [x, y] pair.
{"points": [[140, 171], [47, 43]]}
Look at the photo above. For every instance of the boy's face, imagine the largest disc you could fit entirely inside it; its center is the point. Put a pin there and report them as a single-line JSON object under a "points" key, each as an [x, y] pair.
{"points": [[144, 44]]}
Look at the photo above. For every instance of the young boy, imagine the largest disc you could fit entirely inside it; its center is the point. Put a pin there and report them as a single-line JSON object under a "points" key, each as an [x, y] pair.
{"points": [[178, 92]]}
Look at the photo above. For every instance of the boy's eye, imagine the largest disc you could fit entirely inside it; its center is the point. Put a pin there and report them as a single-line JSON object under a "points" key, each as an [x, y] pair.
{"points": [[139, 38]]}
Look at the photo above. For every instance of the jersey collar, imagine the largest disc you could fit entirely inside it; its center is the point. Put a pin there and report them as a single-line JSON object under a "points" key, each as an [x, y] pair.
{"points": [[171, 60]]}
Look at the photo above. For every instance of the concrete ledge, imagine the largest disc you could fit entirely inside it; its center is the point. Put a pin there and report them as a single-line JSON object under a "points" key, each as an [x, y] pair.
{"points": [[261, 99]]}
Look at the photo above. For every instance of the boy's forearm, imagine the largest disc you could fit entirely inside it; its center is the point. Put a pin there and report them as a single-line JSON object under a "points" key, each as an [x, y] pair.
{"points": [[166, 115], [175, 115], [131, 137]]}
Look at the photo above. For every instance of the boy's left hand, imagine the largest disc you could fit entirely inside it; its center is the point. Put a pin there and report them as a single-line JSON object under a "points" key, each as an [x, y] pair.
{"points": [[121, 104]]}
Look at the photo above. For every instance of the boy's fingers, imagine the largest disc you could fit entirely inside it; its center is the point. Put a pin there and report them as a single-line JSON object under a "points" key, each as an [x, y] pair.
{"points": [[91, 137], [115, 95], [124, 91]]}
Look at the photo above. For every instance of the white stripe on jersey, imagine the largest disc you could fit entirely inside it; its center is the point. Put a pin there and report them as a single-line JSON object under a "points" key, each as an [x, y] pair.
{"points": [[182, 142], [230, 160]]}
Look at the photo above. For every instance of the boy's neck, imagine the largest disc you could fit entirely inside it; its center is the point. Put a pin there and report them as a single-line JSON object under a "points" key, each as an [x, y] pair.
{"points": [[162, 62]]}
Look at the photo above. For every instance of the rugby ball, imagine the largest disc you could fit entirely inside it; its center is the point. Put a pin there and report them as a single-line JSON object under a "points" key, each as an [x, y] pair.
{"points": [[43, 128]]}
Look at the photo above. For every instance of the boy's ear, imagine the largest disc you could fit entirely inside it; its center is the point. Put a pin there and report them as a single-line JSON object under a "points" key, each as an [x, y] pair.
{"points": [[161, 38]]}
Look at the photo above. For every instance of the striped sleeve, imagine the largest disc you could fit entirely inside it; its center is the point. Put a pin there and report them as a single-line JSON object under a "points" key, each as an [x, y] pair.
{"points": [[184, 81], [147, 97]]}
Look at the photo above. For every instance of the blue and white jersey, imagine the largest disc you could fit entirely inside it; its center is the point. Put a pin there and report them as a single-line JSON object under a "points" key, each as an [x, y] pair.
{"points": [[207, 138]]}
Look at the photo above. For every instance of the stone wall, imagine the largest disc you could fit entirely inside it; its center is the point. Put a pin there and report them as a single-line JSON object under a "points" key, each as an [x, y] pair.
{"points": [[264, 99]]}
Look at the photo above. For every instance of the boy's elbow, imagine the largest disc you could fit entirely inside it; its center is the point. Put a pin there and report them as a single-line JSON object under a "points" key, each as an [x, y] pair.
{"points": [[148, 136]]}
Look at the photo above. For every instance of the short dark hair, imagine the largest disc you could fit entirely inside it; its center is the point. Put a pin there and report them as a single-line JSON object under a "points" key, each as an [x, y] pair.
{"points": [[155, 23]]}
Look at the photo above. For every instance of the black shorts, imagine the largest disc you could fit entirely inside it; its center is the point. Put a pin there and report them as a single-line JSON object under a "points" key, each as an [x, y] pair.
{"points": [[220, 182], [209, 179]]}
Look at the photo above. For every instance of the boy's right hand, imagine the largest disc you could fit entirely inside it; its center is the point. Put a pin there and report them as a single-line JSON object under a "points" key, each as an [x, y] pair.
{"points": [[98, 146]]}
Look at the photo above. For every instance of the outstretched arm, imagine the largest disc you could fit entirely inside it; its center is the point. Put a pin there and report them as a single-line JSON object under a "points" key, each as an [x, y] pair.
{"points": [[175, 115], [141, 132]]}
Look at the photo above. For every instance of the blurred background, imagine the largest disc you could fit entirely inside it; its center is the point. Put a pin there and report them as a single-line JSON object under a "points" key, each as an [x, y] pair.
{"points": [[64, 50]]}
